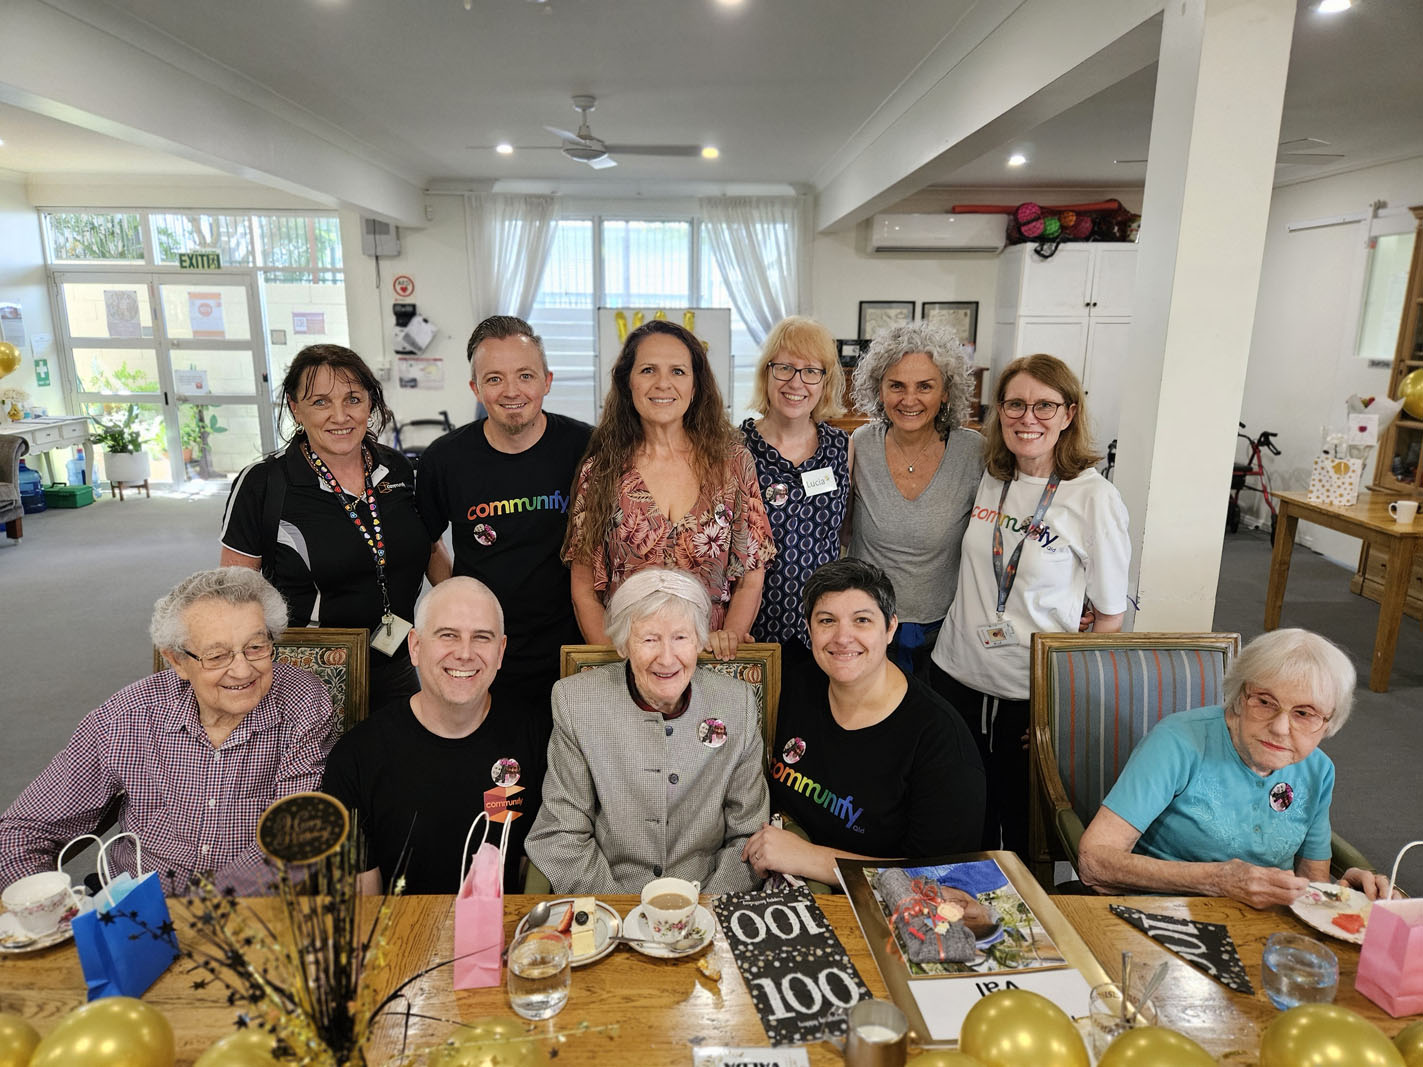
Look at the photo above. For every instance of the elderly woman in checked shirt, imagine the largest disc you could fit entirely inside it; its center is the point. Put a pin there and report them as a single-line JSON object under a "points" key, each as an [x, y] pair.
{"points": [[194, 754]]}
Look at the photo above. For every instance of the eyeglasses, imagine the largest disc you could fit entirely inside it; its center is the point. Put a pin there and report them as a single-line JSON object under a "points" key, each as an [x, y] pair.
{"points": [[1042, 409], [784, 372], [1262, 707], [256, 652]]}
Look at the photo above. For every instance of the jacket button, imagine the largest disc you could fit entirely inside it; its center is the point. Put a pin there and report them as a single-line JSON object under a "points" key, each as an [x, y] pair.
{"points": [[657, 871], [669, 731], [673, 778]]}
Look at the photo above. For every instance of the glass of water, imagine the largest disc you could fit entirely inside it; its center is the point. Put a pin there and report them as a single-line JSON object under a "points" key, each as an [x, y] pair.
{"points": [[538, 973], [1295, 970]]}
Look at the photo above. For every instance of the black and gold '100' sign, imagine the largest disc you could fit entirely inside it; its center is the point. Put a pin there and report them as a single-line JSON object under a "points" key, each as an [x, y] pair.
{"points": [[303, 827]]}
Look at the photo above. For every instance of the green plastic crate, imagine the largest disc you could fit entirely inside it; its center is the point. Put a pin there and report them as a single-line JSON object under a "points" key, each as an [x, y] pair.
{"points": [[68, 496]]}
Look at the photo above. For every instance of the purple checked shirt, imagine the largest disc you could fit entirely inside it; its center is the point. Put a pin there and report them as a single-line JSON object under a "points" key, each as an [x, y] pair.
{"points": [[194, 807]]}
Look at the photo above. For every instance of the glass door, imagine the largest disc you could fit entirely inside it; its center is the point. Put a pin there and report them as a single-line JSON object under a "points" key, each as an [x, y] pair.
{"points": [[175, 358]]}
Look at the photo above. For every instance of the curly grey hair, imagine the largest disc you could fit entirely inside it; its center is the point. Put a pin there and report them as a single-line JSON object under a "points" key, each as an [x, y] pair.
{"points": [[893, 345], [1297, 657], [232, 585], [649, 591]]}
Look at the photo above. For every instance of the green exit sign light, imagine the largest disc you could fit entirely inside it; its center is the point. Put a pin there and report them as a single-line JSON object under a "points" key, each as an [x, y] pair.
{"points": [[199, 261]]}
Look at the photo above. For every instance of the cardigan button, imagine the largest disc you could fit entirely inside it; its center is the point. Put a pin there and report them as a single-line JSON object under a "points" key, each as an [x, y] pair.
{"points": [[669, 731], [673, 778], [657, 870]]}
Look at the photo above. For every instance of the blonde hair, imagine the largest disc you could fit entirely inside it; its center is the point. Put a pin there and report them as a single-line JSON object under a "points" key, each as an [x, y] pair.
{"points": [[804, 338]]}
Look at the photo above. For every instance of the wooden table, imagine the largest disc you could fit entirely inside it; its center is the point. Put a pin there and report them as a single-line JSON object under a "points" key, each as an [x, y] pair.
{"points": [[1188, 1002], [1370, 520]]}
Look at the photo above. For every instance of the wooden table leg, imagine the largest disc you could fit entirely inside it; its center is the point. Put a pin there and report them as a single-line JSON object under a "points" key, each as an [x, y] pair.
{"points": [[1395, 591], [1285, 528]]}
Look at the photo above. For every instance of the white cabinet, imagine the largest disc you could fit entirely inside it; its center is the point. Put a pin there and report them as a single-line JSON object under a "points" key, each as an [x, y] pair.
{"points": [[1077, 306]]}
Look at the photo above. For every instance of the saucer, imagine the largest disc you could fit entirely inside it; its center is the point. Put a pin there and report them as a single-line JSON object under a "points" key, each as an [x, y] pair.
{"points": [[606, 925], [16, 941], [636, 925]]}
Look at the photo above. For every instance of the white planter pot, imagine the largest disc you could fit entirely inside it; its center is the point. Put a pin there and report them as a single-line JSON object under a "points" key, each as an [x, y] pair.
{"points": [[131, 468]]}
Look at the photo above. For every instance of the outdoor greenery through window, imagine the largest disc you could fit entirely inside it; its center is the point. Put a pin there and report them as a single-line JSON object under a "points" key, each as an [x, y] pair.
{"points": [[94, 238]]}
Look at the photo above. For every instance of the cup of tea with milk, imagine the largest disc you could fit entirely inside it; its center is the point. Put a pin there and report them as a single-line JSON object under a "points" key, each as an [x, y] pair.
{"points": [[668, 904]]}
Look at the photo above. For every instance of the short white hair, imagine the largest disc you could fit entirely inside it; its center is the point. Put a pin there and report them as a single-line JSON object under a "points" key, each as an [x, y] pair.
{"points": [[168, 629], [653, 590], [472, 587], [1298, 657]]}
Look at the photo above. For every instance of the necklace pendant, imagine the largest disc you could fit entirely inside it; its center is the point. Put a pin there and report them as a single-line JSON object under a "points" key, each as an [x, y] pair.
{"points": [[911, 468]]}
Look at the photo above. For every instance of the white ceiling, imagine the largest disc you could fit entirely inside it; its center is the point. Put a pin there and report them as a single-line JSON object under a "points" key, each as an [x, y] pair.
{"points": [[780, 86]]}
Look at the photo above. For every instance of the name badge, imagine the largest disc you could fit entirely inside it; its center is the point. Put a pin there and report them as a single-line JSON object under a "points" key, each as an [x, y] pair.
{"points": [[997, 634], [818, 481]]}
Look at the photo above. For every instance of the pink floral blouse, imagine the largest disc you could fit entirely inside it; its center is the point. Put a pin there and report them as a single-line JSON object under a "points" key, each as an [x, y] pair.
{"points": [[724, 535]]}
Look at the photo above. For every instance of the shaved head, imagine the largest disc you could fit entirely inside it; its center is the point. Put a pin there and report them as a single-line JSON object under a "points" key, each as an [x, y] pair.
{"points": [[462, 588]]}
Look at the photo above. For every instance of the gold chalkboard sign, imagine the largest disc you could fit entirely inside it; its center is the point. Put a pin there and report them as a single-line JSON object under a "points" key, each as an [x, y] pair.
{"points": [[303, 827]]}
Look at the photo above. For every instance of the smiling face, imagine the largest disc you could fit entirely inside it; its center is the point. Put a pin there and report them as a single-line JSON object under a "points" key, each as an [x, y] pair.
{"points": [[913, 391], [1031, 439], [216, 626], [794, 399], [661, 381], [510, 380], [333, 410], [849, 637], [458, 648], [662, 650], [1270, 744]]}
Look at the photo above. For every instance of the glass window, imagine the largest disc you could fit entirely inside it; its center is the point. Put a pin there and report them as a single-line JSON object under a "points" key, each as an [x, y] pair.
{"points": [[563, 317], [1384, 292], [646, 263], [84, 237], [229, 236]]}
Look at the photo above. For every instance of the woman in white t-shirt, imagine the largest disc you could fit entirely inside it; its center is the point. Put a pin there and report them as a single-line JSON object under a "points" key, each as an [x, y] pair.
{"points": [[1046, 536]]}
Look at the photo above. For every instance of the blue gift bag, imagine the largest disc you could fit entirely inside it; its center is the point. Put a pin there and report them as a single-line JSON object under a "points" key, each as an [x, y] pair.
{"points": [[128, 939]]}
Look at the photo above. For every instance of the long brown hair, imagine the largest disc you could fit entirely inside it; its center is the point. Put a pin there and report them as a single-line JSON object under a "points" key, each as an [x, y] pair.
{"points": [[619, 434], [347, 367], [1073, 452]]}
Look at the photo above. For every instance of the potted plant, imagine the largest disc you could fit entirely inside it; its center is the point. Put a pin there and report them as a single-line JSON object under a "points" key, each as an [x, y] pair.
{"points": [[124, 458]]}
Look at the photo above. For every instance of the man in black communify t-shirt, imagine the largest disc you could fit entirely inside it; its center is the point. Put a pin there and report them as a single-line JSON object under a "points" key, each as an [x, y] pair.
{"points": [[502, 483]]}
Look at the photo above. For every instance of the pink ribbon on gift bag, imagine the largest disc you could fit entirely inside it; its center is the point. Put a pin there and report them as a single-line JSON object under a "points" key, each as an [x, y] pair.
{"points": [[1391, 961], [479, 912]]}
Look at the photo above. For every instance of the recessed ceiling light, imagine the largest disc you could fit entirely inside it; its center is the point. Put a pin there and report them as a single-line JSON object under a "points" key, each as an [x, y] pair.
{"points": [[729, 3], [2, 141], [711, 152], [504, 148], [1017, 159], [1333, 7]]}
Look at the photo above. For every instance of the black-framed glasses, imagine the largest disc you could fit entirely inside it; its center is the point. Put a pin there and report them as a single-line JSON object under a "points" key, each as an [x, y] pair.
{"points": [[1042, 409], [1262, 707], [784, 372], [253, 652]]}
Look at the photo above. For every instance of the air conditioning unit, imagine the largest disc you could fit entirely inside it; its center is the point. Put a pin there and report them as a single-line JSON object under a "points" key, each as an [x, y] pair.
{"points": [[938, 233], [379, 238]]}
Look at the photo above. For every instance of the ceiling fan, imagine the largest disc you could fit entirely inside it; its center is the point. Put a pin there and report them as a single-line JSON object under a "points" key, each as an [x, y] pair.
{"points": [[583, 147], [1284, 157]]}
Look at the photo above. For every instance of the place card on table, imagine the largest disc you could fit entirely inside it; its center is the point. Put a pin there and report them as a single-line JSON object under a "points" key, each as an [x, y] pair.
{"points": [[766, 1056], [799, 975], [1208, 947]]}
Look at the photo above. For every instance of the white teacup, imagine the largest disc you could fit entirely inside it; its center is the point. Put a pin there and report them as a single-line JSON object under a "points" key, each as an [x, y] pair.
{"points": [[668, 904], [1403, 511], [39, 901]]}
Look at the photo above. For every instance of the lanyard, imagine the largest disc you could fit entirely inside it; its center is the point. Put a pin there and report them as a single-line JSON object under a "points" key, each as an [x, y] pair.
{"points": [[1007, 573], [374, 539]]}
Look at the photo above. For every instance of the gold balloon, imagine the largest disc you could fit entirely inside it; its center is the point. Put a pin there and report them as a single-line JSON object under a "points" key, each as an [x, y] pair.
{"points": [[479, 1045], [1153, 1046], [17, 1040], [1325, 1035], [112, 1032], [1409, 1041], [1410, 391], [1016, 1028], [942, 1057], [620, 320], [242, 1048], [9, 358]]}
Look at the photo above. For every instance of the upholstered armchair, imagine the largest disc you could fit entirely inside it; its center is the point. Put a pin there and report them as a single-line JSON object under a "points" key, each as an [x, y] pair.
{"points": [[12, 514]]}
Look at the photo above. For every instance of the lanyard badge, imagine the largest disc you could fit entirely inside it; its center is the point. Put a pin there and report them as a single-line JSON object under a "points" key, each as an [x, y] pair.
{"points": [[1001, 632]]}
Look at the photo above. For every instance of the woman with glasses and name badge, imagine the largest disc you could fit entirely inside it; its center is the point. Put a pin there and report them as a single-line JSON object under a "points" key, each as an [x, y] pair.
{"points": [[1045, 530], [1233, 801], [803, 468]]}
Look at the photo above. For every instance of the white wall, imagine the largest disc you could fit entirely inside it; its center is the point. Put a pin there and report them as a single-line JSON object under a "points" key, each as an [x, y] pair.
{"points": [[1302, 364], [22, 281]]}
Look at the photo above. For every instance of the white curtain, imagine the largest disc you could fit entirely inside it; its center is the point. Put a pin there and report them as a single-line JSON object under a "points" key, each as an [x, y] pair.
{"points": [[761, 245], [509, 238]]}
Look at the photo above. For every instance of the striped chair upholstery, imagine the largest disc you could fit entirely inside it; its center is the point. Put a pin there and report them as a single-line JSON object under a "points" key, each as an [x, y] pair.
{"points": [[1093, 698]]}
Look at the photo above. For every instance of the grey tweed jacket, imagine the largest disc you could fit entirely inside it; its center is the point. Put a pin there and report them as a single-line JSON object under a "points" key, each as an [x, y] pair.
{"points": [[629, 796]]}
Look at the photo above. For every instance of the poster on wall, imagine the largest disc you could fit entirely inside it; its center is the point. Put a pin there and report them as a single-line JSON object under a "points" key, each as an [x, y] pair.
{"points": [[308, 322], [712, 326], [121, 313], [205, 315], [12, 325], [420, 372]]}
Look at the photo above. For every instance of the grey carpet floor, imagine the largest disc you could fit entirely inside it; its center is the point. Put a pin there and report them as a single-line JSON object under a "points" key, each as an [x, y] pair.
{"points": [[76, 594]]}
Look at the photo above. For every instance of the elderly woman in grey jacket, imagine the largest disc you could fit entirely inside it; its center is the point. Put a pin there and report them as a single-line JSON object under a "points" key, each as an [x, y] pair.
{"points": [[654, 767]]}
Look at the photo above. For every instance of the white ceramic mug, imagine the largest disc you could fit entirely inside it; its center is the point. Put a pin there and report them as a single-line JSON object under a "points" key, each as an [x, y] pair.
{"points": [[39, 901], [670, 924], [877, 1035], [1403, 511]]}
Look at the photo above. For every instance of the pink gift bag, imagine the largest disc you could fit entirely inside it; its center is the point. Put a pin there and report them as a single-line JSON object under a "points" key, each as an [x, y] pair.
{"points": [[1391, 961], [479, 913]]}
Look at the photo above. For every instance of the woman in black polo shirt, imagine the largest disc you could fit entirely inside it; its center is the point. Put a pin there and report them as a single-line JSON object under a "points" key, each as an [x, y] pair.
{"points": [[331, 519]]}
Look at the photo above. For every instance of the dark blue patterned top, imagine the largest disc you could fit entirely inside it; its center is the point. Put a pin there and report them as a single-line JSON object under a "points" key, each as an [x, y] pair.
{"points": [[806, 528]]}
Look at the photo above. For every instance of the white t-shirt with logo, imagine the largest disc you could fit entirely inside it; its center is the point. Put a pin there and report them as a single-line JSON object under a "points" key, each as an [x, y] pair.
{"points": [[1083, 548]]}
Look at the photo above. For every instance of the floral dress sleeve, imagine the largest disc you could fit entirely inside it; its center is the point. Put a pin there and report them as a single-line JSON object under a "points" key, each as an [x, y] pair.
{"points": [[752, 544]]}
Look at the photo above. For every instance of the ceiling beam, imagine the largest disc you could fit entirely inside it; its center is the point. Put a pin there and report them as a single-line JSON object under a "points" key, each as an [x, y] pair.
{"points": [[1013, 67]]}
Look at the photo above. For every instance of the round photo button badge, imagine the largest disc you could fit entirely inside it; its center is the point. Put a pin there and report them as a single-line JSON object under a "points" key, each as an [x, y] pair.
{"points": [[505, 772], [711, 732], [794, 750]]}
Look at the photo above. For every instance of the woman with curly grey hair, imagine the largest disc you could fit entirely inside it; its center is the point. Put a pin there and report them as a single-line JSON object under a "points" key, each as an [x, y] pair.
{"points": [[916, 467]]}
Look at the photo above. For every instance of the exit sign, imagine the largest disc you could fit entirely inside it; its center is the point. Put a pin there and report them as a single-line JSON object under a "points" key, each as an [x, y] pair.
{"points": [[199, 261]]}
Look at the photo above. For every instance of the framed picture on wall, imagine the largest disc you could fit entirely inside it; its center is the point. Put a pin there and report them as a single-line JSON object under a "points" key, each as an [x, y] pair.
{"points": [[850, 352], [961, 316], [878, 315]]}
